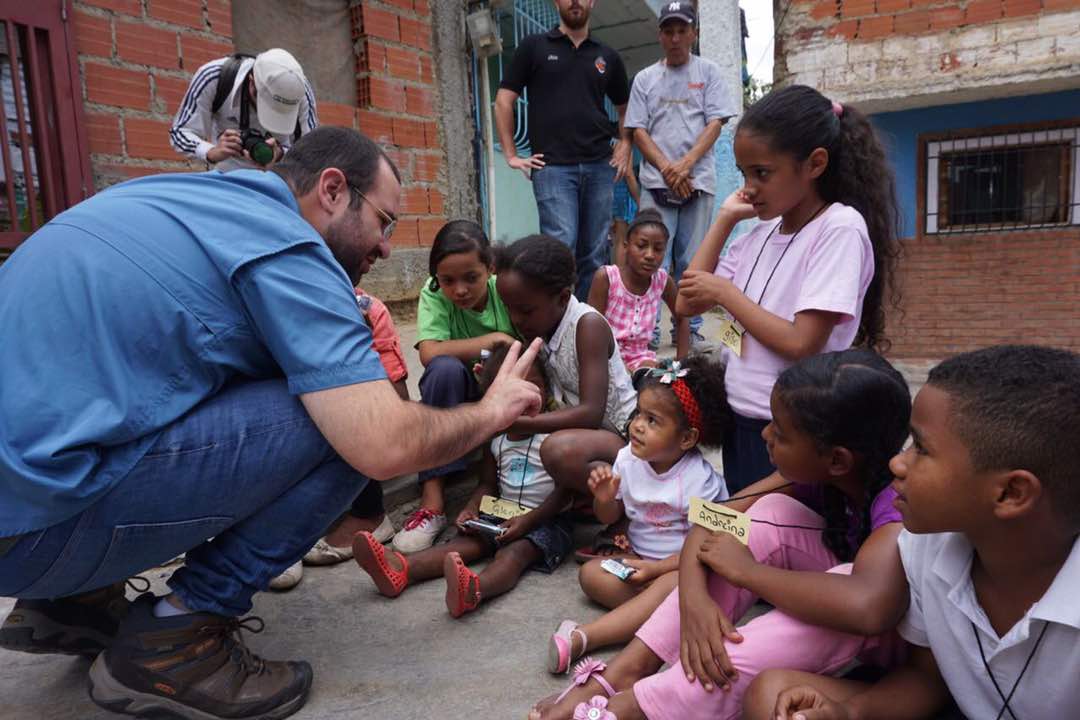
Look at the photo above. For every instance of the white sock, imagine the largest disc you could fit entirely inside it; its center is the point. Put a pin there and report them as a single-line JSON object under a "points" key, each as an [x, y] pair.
{"points": [[164, 608]]}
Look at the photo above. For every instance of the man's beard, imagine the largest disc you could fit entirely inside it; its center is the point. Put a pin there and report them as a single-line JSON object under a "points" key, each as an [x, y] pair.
{"points": [[575, 23], [341, 239]]}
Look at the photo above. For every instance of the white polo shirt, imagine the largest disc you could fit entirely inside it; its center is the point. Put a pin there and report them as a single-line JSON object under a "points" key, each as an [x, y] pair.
{"points": [[944, 608]]}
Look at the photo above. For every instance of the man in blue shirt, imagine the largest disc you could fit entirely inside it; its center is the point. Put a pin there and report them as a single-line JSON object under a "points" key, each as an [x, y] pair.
{"points": [[184, 359]]}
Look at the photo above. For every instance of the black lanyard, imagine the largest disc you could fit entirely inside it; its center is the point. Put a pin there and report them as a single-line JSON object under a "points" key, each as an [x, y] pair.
{"points": [[1019, 677], [524, 470], [782, 254]]}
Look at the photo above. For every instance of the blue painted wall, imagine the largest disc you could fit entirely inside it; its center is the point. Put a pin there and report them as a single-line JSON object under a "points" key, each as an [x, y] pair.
{"points": [[901, 130]]}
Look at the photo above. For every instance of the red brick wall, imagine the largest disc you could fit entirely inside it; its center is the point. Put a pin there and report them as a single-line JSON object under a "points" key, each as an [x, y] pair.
{"points": [[874, 19], [965, 292], [395, 84], [137, 57]]}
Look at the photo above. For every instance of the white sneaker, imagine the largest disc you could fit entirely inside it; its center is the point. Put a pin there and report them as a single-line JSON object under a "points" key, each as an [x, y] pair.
{"points": [[419, 531], [288, 579], [323, 553]]}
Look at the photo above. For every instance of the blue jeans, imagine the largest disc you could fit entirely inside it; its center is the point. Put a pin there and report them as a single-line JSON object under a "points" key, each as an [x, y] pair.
{"points": [[247, 468], [574, 205], [746, 457], [447, 382], [686, 226]]}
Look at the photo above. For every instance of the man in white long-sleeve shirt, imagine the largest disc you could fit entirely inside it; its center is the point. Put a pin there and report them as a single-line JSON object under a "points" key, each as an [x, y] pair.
{"points": [[267, 95]]}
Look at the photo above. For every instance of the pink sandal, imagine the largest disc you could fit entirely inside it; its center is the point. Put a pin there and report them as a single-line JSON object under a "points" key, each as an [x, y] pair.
{"points": [[595, 709], [561, 647], [583, 672], [370, 555], [458, 578]]}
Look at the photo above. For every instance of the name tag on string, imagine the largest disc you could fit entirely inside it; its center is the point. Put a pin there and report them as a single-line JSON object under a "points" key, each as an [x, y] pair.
{"points": [[731, 332], [720, 518], [500, 508]]}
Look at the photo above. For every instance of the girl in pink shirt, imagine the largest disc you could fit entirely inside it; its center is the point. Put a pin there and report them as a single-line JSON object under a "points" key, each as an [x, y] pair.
{"points": [[629, 293], [821, 549], [813, 275]]}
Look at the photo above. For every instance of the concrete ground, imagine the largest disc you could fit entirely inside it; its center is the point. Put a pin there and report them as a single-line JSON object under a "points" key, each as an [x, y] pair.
{"points": [[373, 657]]}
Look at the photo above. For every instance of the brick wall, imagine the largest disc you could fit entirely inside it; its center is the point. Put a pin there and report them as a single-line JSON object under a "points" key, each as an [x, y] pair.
{"points": [[395, 85], [137, 57], [965, 292], [135, 60], [891, 54]]}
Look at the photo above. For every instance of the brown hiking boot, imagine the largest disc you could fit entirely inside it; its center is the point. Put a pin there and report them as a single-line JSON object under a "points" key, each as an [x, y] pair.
{"points": [[193, 666], [77, 625]]}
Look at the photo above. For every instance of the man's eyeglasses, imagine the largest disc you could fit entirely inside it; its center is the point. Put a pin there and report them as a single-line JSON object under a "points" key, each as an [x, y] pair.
{"points": [[389, 221]]}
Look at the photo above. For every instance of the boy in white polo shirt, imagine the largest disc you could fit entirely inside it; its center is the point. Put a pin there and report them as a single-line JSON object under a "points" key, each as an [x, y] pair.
{"points": [[991, 506]]}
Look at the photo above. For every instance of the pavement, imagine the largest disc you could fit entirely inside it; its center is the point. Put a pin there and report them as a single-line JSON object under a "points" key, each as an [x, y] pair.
{"points": [[373, 657]]}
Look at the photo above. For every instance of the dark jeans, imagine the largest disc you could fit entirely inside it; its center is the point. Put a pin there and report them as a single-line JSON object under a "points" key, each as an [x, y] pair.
{"points": [[574, 205], [369, 503], [746, 458], [247, 468], [447, 382]]}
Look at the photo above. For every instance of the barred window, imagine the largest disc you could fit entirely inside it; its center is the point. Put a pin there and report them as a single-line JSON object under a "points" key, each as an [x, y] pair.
{"points": [[1007, 181]]}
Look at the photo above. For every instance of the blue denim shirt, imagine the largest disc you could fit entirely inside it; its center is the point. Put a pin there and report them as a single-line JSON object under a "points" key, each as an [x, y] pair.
{"points": [[128, 310]]}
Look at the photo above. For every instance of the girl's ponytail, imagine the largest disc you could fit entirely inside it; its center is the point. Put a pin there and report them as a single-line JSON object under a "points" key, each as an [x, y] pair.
{"points": [[859, 175], [797, 120]]}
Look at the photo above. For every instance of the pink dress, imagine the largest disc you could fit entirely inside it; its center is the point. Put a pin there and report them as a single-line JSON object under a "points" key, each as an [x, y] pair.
{"points": [[632, 317]]}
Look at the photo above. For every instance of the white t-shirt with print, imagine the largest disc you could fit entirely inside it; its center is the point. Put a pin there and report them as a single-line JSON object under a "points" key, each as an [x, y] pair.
{"points": [[658, 505], [522, 477]]}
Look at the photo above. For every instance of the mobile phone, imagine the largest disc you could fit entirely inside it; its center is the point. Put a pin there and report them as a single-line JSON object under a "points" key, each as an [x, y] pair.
{"points": [[484, 527], [616, 568]]}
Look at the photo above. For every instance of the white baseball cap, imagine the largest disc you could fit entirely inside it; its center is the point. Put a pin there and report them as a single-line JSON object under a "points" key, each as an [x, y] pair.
{"points": [[279, 86]]}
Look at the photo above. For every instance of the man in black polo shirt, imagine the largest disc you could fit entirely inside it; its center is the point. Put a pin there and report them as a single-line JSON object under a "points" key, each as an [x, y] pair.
{"points": [[573, 167]]}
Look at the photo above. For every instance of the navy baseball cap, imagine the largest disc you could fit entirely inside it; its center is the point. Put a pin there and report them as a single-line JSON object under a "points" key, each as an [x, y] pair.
{"points": [[678, 10]]}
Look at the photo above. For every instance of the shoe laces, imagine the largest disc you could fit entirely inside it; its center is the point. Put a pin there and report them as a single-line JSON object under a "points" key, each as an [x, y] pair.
{"points": [[420, 517], [229, 632]]}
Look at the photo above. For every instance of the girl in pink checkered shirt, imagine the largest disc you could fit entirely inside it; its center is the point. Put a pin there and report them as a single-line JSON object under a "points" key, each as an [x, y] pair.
{"points": [[629, 294]]}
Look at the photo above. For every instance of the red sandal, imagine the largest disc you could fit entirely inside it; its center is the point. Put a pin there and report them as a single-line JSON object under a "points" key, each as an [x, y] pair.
{"points": [[458, 577], [370, 555]]}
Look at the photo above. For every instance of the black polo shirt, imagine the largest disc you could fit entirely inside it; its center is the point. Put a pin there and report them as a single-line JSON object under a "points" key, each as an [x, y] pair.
{"points": [[567, 85]]}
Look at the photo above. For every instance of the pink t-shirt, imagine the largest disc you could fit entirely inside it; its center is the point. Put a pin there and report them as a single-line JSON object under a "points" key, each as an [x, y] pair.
{"points": [[828, 267]]}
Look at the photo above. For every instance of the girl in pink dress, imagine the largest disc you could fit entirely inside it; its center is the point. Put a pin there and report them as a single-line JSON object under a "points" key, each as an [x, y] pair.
{"points": [[629, 294]]}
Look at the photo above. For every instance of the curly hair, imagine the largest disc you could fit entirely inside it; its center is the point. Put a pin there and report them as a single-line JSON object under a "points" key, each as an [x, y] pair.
{"points": [[705, 378], [1017, 407], [856, 400], [796, 120], [541, 259], [458, 236], [495, 360]]}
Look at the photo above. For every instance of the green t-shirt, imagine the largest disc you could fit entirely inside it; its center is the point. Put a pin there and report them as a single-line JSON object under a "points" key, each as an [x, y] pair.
{"points": [[439, 319]]}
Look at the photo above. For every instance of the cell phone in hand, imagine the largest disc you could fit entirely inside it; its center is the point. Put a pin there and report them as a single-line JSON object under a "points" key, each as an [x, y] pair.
{"points": [[484, 527], [616, 568]]}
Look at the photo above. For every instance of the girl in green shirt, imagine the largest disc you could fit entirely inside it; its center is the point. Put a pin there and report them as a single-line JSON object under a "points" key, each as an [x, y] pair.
{"points": [[459, 315]]}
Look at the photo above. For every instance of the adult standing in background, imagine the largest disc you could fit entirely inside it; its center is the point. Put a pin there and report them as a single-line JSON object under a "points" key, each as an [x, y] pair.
{"points": [[678, 106], [231, 99], [573, 167]]}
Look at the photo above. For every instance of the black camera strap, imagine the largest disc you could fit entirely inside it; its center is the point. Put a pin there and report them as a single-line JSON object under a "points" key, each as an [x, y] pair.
{"points": [[1006, 698]]}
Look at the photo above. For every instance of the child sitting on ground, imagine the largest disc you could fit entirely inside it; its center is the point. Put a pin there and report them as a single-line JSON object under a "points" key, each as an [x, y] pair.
{"points": [[990, 503], [539, 538], [679, 408], [629, 292]]}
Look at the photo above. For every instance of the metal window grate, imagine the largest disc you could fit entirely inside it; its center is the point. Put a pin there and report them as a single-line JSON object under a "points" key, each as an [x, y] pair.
{"points": [[1011, 181]]}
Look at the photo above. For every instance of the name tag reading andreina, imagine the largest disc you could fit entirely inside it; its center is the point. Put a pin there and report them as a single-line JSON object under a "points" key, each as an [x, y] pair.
{"points": [[720, 518]]}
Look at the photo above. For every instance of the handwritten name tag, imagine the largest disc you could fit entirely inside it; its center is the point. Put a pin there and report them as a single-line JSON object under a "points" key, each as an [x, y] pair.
{"points": [[720, 518], [731, 332], [501, 508]]}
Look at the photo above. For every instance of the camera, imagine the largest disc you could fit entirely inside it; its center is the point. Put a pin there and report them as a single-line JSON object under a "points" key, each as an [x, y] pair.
{"points": [[256, 147], [485, 527]]}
